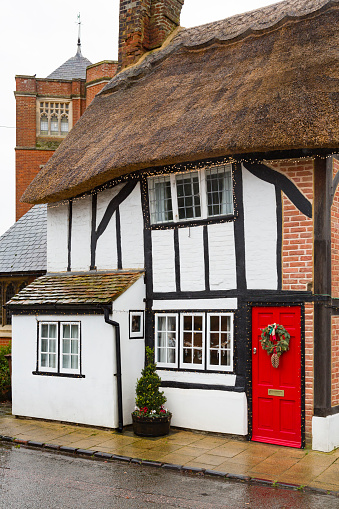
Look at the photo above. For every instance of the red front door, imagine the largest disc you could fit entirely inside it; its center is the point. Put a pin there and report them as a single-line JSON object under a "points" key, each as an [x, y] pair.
{"points": [[276, 392]]}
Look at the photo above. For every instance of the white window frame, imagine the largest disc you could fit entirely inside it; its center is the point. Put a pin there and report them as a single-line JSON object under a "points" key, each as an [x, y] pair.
{"points": [[192, 365], [172, 178], [220, 367], [159, 363], [59, 348], [48, 369], [62, 353]]}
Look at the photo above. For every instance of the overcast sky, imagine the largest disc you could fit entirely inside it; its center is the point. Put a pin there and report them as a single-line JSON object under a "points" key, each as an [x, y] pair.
{"points": [[38, 36]]}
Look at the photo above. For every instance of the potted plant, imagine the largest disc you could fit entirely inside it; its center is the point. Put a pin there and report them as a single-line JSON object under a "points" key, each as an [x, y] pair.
{"points": [[150, 418]]}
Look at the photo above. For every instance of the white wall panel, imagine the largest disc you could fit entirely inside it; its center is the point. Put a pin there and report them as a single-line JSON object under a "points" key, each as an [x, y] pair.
{"points": [[57, 237], [106, 253], [163, 261], [132, 228], [195, 304], [222, 260], [81, 233], [192, 267], [260, 220]]}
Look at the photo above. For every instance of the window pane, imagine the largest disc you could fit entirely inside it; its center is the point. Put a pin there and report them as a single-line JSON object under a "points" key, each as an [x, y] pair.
{"points": [[172, 340], [52, 360], [187, 339], [198, 339], [162, 323], [54, 125], [197, 356], [74, 331], [44, 343], [66, 346], [171, 355], [225, 323], [52, 345], [214, 323], [214, 357], [214, 340], [160, 200], [219, 190], [187, 355], [52, 330], [198, 323], [66, 361], [166, 339], [64, 125], [44, 124], [44, 330], [74, 346], [44, 358], [162, 339], [74, 361], [187, 322], [66, 331], [220, 340], [172, 323], [188, 195], [225, 358]]}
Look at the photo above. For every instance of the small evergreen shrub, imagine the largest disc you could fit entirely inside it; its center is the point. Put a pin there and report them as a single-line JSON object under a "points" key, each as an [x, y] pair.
{"points": [[5, 375], [149, 399]]}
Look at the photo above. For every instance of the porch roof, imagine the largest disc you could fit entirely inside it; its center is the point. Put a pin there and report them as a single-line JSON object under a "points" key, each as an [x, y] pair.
{"points": [[74, 289]]}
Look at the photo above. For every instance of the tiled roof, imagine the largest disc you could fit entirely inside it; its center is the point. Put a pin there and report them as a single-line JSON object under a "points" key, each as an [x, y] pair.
{"points": [[24, 246], [73, 68], [75, 289], [259, 82]]}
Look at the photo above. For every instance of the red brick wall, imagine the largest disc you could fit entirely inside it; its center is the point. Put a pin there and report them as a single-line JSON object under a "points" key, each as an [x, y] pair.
{"points": [[297, 245], [97, 76], [309, 370], [335, 361], [27, 164], [25, 121], [4, 341]]}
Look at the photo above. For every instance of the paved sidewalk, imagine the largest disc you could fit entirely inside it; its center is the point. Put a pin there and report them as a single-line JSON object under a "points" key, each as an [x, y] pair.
{"points": [[191, 450]]}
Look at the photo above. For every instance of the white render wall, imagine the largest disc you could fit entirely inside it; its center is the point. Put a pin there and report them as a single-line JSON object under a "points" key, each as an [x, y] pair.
{"points": [[260, 221], [163, 261], [90, 400], [106, 253], [57, 237], [132, 231], [192, 267], [222, 262], [208, 410], [132, 350], [81, 233]]}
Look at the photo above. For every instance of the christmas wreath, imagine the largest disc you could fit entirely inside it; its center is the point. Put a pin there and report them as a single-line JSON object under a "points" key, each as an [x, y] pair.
{"points": [[275, 340]]}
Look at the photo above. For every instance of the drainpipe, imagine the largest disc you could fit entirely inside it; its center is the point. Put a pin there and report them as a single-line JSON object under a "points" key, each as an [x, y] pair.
{"points": [[116, 325]]}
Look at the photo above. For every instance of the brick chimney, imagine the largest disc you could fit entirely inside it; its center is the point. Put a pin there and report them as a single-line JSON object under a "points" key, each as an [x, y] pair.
{"points": [[144, 25]]}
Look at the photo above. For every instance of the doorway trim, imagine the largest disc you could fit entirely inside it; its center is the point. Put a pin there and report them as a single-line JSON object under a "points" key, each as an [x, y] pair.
{"points": [[276, 303]]}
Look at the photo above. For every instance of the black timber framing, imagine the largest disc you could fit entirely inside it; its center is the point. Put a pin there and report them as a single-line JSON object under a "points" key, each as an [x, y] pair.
{"points": [[322, 285]]}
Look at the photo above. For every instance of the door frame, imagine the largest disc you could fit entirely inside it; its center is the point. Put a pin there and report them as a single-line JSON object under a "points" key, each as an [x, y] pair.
{"points": [[277, 303]]}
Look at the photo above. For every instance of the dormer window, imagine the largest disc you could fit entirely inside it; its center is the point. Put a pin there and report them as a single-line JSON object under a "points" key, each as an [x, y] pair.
{"points": [[198, 194], [54, 118]]}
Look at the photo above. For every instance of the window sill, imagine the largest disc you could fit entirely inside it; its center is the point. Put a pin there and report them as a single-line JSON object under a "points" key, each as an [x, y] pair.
{"points": [[193, 222], [50, 373]]}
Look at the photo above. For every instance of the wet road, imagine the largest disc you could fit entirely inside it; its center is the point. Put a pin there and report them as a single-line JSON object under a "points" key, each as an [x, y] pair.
{"points": [[31, 479]]}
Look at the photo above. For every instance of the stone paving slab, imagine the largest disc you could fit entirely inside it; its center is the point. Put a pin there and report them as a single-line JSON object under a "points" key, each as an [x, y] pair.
{"points": [[188, 450]]}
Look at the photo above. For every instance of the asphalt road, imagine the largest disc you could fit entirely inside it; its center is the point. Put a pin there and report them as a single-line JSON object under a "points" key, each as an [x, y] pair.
{"points": [[31, 479]]}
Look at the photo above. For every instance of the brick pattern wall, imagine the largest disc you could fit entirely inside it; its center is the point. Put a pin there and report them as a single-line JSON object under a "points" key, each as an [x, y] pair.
{"points": [[335, 236], [144, 25], [27, 164], [297, 245], [309, 369], [335, 361], [97, 76], [4, 341]]}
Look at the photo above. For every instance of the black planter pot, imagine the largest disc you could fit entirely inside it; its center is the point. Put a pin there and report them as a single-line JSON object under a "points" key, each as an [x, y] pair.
{"points": [[147, 427]]}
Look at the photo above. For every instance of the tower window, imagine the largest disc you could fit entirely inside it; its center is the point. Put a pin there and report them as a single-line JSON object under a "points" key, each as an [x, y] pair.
{"points": [[54, 118]]}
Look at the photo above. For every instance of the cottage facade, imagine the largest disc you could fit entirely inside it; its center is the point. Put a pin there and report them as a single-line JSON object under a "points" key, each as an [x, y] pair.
{"points": [[208, 169]]}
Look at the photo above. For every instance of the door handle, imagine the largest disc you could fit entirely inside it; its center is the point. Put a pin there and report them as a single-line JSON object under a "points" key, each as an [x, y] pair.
{"points": [[254, 350]]}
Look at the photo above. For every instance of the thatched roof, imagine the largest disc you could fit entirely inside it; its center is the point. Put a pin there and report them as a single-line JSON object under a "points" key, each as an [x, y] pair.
{"points": [[261, 81]]}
